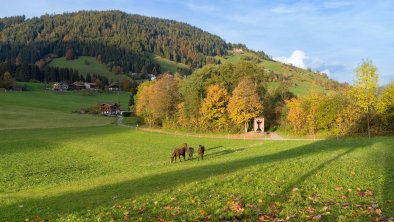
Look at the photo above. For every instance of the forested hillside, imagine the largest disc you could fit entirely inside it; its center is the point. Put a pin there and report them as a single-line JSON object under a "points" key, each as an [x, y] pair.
{"points": [[127, 44], [114, 37]]}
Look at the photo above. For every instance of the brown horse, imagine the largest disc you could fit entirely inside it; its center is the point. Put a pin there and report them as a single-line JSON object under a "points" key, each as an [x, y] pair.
{"points": [[190, 152], [178, 152], [201, 150]]}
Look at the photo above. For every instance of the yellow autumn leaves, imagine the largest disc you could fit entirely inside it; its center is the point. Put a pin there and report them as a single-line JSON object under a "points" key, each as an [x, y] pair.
{"points": [[159, 103]]}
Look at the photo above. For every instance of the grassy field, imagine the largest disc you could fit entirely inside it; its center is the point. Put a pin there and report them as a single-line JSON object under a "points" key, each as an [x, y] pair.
{"points": [[38, 108], [96, 171], [304, 79], [168, 65], [92, 66], [102, 173]]}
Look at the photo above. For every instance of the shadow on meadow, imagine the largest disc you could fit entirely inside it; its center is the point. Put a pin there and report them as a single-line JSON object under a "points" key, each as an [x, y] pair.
{"points": [[30, 140], [213, 148], [82, 201], [224, 152]]}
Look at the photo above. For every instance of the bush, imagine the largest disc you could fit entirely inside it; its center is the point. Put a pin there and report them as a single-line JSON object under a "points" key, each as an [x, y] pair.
{"points": [[90, 110], [87, 92], [127, 114]]}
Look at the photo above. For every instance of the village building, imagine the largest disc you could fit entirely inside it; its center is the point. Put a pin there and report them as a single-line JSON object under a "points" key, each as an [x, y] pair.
{"points": [[90, 86], [151, 77], [109, 108], [78, 85], [60, 86], [238, 50], [113, 87]]}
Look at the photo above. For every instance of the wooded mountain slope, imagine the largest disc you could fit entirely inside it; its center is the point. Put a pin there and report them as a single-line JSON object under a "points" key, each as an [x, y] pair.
{"points": [[113, 35], [132, 43]]}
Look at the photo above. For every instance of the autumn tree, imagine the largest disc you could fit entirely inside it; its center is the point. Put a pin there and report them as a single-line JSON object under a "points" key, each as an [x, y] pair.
{"points": [[69, 54], [295, 114], [386, 106], [6, 81], [244, 103], [336, 113], [99, 84], [142, 102], [157, 101], [213, 108], [311, 103], [125, 85], [365, 89]]}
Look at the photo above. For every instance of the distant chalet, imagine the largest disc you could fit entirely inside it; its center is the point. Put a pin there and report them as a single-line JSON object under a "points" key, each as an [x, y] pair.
{"points": [[109, 108], [64, 86], [238, 50]]}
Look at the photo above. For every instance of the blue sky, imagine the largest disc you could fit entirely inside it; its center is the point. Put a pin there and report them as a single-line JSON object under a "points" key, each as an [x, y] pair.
{"points": [[330, 36]]}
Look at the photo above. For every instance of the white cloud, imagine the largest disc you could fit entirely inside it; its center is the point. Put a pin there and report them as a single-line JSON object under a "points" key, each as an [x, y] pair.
{"points": [[326, 71], [297, 59]]}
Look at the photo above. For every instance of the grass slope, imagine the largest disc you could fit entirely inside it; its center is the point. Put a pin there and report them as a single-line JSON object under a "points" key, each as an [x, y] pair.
{"points": [[92, 66], [304, 79], [103, 173], [99, 173], [38, 108], [168, 65]]}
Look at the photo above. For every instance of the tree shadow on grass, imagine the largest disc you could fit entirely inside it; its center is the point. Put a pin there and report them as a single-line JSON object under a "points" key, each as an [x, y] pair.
{"points": [[224, 152], [213, 148], [22, 140], [81, 201], [289, 188]]}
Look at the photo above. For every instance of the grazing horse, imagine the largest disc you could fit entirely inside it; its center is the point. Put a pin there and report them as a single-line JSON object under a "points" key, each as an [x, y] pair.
{"points": [[178, 152], [190, 152], [201, 150]]}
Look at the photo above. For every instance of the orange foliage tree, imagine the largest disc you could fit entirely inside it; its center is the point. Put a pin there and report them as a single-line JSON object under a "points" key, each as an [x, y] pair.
{"points": [[244, 103], [69, 54], [295, 115], [157, 101]]}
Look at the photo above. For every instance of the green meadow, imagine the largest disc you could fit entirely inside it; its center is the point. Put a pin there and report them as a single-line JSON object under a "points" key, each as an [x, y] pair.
{"points": [[168, 65], [38, 108], [85, 65], [304, 79], [60, 166]]}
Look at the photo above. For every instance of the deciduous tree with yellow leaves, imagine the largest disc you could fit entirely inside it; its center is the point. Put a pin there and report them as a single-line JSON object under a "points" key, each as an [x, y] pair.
{"points": [[386, 106], [214, 106], [142, 107], [295, 115], [244, 103], [365, 89]]}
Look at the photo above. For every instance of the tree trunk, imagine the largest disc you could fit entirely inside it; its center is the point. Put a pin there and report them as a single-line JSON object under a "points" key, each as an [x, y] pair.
{"points": [[369, 133], [246, 127]]}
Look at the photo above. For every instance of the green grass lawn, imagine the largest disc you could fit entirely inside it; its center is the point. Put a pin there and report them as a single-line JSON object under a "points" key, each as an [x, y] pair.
{"points": [[38, 108], [92, 66], [90, 170], [302, 88], [99, 173]]}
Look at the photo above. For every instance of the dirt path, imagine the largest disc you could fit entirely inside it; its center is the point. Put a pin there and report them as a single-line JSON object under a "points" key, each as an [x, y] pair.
{"points": [[245, 136], [275, 136]]}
